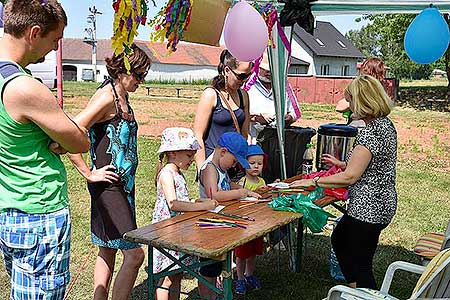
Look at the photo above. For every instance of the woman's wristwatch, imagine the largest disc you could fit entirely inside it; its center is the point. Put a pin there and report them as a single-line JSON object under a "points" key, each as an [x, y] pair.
{"points": [[315, 181]]}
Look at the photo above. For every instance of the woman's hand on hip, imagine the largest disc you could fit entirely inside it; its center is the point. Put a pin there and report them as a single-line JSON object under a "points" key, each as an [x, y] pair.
{"points": [[104, 174]]}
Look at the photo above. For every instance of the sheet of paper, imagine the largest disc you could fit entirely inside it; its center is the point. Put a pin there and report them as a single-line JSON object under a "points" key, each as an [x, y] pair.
{"points": [[217, 209], [249, 199], [279, 185]]}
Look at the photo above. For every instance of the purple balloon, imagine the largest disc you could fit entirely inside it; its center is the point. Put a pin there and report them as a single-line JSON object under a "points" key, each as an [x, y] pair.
{"points": [[245, 32]]}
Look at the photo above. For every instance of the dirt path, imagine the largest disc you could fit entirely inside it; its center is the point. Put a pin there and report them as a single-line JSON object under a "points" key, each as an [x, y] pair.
{"points": [[422, 135]]}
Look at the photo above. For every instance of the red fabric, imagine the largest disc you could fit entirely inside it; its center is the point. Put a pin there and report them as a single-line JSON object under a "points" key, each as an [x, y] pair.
{"points": [[338, 193], [254, 247]]}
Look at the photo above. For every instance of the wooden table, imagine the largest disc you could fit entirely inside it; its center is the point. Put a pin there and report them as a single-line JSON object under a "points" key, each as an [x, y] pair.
{"points": [[180, 233]]}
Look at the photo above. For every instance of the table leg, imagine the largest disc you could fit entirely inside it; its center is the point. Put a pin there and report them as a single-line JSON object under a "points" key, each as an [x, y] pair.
{"points": [[227, 279], [150, 280], [299, 250]]}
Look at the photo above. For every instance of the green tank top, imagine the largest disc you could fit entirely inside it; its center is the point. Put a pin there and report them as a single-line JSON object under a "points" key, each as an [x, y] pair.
{"points": [[32, 178]]}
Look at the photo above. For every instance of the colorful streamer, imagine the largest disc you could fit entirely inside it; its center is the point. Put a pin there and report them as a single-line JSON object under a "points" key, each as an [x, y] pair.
{"points": [[129, 14], [170, 23]]}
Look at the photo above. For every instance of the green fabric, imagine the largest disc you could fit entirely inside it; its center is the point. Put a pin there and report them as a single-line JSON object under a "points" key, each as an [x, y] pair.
{"points": [[33, 179], [314, 217]]}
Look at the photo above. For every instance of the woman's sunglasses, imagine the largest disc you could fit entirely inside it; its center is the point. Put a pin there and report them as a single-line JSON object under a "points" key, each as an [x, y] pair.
{"points": [[241, 76], [139, 76]]}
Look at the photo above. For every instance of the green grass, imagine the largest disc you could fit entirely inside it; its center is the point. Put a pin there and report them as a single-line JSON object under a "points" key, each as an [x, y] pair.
{"points": [[424, 82], [423, 206]]}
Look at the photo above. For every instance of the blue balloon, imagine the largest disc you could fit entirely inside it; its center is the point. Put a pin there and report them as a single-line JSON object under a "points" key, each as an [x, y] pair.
{"points": [[427, 37]]}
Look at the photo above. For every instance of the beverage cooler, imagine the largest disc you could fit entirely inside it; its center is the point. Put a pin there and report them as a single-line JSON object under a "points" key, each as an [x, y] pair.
{"points": [[336, 140]]}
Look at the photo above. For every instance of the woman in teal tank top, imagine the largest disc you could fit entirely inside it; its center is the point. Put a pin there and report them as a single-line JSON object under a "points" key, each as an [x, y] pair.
{"points": [[111, 178]]}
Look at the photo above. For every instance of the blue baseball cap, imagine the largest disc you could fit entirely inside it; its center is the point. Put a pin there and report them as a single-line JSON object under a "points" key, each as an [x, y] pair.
{"points": [[236, 145], [255, 150]]}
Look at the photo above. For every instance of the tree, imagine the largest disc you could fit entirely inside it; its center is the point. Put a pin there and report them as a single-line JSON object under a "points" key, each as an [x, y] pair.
{"points": [[365, 40], [383, 37]]}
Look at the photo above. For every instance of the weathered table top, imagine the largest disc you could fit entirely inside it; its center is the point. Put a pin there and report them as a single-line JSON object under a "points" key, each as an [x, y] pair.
{"points": [[180, 233]]}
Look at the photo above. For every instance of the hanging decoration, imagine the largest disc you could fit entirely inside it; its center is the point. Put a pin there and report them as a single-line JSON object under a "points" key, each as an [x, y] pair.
{"points": [[207, 19], [270, 16], [129, 14], [170, 23], [245, 32], [427, 37], [298, 11]]}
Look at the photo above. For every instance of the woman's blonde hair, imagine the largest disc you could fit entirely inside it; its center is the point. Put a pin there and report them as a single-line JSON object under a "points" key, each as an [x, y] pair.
{"points": [[369, 97]]}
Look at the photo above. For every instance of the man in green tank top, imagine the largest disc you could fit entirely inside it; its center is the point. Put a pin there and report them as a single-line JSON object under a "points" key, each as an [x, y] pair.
{"points": [[34, 214]]}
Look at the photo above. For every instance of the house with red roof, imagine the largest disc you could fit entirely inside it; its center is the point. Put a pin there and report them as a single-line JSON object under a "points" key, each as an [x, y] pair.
{"points": [[324, 53], [189, 62]]}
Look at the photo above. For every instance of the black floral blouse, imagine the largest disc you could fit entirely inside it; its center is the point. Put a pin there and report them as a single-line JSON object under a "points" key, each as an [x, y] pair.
{"points": [[373, 198]]}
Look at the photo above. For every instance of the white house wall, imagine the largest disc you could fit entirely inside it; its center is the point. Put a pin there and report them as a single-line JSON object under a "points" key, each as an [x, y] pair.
{"points": [[157, 72], [101, 70], [301, 51], [335, 65], [180, 72]]}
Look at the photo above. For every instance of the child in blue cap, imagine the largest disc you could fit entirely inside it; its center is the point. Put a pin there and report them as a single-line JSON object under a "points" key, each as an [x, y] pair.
{"points": [[214, 183], [246, 254]]}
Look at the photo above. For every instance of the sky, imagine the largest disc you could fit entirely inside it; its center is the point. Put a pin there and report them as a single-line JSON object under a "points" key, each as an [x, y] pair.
{"points": [[77, 12]]}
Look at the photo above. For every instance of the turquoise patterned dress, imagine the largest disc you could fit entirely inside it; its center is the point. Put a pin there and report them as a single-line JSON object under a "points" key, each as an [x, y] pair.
{"points": [[114, 142]]}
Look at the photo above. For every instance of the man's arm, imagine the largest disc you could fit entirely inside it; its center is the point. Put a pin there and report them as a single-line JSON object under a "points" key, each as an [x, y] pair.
{"points": [[27, 100]]}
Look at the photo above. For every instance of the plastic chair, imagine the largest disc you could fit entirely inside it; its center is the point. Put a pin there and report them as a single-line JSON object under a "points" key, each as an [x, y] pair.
{"points": [[429, 245], [433, 284]]}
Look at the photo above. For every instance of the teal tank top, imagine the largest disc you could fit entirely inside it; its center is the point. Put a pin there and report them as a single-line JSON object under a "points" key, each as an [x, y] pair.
{"points": [[32, 178]]}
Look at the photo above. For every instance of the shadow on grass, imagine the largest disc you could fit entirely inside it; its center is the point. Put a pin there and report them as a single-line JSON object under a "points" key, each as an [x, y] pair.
{"points": [[314, 280]]}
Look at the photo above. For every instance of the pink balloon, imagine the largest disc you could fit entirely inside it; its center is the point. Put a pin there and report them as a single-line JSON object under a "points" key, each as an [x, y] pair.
{"points": [[245, 32]]}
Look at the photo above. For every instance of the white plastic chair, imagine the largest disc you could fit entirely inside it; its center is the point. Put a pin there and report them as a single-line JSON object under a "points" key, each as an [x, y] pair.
{"points": [[433, 284]]}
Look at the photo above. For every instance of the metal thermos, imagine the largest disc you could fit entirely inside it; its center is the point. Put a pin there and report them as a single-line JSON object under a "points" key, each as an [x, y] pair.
{"points": [[334, 139]]}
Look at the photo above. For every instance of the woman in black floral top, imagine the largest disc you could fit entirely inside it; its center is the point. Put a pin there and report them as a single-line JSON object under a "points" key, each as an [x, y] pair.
{"points": [[369, 173]]}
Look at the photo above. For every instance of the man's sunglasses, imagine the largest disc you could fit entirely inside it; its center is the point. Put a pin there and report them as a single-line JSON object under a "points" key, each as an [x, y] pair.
{"points": [[241, 76], [139, 76]]}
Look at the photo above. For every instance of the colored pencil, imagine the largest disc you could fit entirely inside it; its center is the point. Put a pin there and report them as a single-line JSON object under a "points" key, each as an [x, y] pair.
{"points": [[212, 226], [255, 201], [235, 216], [232, 221], [222, 222], [248, 204]]}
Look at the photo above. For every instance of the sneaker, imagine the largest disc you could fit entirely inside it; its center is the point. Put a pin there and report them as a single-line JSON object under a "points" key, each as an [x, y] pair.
{"points": [[253, 282], [239, 287]]}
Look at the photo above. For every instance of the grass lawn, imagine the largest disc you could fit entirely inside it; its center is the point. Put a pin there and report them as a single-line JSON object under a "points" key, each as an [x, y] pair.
{"points": [[424, 206], [440, 81]]}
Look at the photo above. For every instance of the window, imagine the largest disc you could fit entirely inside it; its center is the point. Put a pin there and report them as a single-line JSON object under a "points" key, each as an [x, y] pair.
{"points": [[325, 70], [340, 43], [345, 70], [321, 44], [294, 70]]}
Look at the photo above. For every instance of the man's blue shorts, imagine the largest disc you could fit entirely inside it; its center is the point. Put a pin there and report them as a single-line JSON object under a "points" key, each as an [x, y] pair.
{"points": [[36, 250]]}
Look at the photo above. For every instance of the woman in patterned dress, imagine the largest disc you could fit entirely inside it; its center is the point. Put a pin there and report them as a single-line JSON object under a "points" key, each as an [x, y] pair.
{"points": [[370, 176], [113, 134]]}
